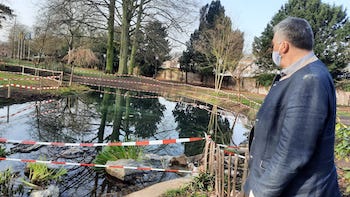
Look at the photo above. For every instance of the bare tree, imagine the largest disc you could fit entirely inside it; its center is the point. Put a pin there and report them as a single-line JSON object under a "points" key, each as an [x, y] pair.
{"points": [[71, 20], [17, 36], [225, 45]]}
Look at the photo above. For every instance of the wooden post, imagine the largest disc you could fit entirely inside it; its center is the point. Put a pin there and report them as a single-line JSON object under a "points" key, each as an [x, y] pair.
{"points": [[229, 175], [8, 113], [222, 171], [207, 142], [9, 90], [40, 81], [71, 76], [215, 171], [245, 168], [211, 158], [61, 78], [234, 179]]}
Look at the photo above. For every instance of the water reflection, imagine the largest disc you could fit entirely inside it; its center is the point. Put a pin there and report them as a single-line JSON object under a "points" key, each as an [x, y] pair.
{"points": [[96, 117]]}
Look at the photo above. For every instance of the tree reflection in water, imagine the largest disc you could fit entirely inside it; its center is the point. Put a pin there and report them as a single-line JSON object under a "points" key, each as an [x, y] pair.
{"points": [[103, 118], [194, 122]]}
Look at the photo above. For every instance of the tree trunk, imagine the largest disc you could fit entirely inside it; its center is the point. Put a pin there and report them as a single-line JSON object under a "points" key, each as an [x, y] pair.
{"points": [[125, 37], [127, 116], [117, 116], [135, 41], [104, 111], [110, 47]]}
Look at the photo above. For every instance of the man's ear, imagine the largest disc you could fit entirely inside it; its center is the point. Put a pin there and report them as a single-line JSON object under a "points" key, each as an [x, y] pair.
{"points": [[285, 47]]}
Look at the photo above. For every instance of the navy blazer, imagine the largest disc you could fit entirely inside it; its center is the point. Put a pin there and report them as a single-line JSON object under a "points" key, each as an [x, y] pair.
{"points": [[292, 152]]}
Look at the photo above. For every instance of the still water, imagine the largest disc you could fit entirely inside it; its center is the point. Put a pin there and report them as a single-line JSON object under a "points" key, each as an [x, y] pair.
{"points": [[100, 118]]}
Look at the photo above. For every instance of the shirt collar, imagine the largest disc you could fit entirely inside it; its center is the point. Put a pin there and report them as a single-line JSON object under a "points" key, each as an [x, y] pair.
{"points": [[297, 65]]}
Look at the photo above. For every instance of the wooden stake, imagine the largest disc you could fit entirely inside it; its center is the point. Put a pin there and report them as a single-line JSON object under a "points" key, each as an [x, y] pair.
{"points": [[245, 168]]}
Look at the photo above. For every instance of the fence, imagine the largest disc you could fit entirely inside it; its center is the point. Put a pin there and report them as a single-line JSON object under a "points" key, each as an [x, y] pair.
{"points": [[225, 165], [229, 167], [40, 75]]}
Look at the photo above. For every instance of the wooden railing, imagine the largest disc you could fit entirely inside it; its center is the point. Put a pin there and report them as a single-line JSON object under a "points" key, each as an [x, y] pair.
{"points": [[230, 169]]}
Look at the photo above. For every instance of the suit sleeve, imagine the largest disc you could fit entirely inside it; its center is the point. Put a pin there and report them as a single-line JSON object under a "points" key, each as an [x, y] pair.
{"points": [[304, 119]]}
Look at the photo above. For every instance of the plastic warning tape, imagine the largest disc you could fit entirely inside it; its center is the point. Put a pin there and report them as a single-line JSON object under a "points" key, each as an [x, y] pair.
{"points": [[117, 80], [27, 108], [28, 79], [136, 143], [30, 87], [133, 96], [47, 112], [124, 88], [169, 83], [95, 165]]}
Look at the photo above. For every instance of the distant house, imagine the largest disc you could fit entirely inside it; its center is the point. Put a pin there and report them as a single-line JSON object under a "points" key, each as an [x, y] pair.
{"points": [[173, 63]]}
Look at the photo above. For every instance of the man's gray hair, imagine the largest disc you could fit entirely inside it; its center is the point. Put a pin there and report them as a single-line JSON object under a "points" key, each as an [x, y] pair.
{"points": [[297, 31]]}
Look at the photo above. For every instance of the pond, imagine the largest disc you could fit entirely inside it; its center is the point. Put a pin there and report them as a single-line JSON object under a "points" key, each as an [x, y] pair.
{"points": [[100, 118]]}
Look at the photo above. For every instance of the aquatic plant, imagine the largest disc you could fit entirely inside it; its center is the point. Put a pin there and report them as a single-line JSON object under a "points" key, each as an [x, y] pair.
{"points": [[40, 174], [7, 184], [2, 151], [113, 153]]}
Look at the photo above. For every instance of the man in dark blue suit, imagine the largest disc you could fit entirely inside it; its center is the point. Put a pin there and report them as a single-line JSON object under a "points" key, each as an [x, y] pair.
{"points": [[292, 151]]}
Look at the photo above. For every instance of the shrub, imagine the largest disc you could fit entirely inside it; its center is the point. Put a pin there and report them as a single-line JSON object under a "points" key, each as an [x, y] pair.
{"points": [[342, 149], [265, 79], [201, 186], [2, 151], [7, 184], [113, 153], [40, 174]]}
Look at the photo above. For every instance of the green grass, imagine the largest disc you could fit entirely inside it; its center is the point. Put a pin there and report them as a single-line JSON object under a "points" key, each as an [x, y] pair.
{"points": [[68, 90], [201, 186], [14, 79], [113, 153], [343, 113], [40, 174], [7, 184], [3, 152]]}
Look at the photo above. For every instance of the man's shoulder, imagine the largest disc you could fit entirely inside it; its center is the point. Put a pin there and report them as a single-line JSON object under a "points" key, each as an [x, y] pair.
{"points": [[315, 70]]}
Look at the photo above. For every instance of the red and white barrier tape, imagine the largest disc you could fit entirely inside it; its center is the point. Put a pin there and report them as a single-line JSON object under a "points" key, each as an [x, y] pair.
{"points": [[150, 91], [169, 83], [28, 87], [46, 112], [231, 152], [133, 96], [124, 88], [117, 81], [27, 108], [96, 165], [28, 79], [136, 143]]}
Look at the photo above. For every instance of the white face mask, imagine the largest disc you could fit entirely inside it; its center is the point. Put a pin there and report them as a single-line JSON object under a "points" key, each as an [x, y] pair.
{"points": [[276, 57]]}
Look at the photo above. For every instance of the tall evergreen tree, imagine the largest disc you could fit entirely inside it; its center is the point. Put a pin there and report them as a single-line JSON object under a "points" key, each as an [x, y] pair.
{"points": [[331, 28], [193, 59], [4, 11], [154, 49], [215, 47]]}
